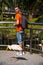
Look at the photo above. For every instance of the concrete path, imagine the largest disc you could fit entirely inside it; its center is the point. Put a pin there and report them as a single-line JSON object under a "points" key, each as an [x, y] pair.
{"points": [[10, 58]]}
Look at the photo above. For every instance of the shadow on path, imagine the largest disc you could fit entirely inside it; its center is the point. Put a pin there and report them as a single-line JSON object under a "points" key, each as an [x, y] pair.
{"points": [[19, 58]]}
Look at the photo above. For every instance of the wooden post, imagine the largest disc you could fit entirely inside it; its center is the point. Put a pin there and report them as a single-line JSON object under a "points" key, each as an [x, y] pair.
{"points": [[31, 31]]}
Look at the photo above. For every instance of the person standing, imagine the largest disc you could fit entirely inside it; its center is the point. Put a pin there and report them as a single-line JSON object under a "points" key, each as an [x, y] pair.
{"points": [[19, 29]]}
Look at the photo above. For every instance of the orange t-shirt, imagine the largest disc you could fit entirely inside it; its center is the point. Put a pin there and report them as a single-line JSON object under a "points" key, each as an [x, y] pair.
{"points": [[18, 17]]}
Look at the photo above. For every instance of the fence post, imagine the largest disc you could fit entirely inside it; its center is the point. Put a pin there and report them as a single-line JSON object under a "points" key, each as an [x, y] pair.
{"points": [[31, 32]]}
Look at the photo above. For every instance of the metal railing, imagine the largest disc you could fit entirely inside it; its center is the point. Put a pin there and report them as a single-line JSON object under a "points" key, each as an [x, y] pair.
{"points": [[31, 37], [31, 32]]}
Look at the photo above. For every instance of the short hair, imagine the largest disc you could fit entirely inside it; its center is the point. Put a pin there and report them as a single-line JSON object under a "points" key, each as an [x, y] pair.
{"points": [[17, 7]]}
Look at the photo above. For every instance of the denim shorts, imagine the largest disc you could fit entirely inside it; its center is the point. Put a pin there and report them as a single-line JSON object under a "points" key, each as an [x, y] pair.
{"points": [[20, 37]]}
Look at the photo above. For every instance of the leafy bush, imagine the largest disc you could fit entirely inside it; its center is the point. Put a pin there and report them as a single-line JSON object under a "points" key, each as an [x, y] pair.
{"points": [[9, 19], [0, 17], [40, 20], [41, 36]]}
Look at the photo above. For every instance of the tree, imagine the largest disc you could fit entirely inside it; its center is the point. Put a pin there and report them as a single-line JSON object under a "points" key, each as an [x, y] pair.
{"points": [[33, 6], [0, 6]]}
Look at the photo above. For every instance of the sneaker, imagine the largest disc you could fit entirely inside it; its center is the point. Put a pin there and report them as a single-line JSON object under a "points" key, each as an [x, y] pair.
{"points": [[23, 53], [19, 53]]}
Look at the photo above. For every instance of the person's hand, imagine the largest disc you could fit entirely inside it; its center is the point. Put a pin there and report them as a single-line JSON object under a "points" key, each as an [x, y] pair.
{"points": [[14, 24]]}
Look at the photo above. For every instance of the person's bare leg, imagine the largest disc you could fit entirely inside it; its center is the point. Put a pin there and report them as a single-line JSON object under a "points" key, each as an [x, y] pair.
{"points": [[22, 46]]}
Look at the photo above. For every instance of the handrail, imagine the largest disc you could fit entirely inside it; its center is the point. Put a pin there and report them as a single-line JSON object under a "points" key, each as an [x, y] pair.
{"points": [[6, 22], [11, 27], [31, 23], [7, 27]]}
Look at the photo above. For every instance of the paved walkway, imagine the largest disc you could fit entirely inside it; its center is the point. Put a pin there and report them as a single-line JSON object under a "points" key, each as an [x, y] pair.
{"points": [[10, 58]]}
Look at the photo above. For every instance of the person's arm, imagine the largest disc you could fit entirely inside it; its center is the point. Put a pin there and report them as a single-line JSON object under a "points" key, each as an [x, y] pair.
{"points": [[17, 20], [17, 23]]}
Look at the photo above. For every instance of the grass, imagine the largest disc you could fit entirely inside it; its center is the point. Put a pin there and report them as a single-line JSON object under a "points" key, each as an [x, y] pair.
{"points": [[35, 19]]}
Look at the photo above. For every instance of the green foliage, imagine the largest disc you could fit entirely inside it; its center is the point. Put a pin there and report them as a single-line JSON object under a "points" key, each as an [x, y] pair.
{"points": [[9, 19], [39, 1], [8, 31], [40, 19], [6, 3], [41, 36], [0, 17]]}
